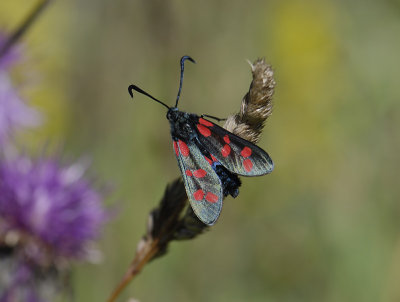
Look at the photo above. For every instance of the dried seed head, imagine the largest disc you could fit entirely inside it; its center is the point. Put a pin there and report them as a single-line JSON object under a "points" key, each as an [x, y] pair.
{"points": [[256, 104]]}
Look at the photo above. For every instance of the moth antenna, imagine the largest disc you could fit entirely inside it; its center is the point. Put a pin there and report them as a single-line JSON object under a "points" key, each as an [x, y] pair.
{"points": [[134, 87], [183, 59]]}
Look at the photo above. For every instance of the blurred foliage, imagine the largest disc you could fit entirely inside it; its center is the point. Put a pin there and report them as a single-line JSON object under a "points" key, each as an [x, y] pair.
{"points": [[324, 226]]}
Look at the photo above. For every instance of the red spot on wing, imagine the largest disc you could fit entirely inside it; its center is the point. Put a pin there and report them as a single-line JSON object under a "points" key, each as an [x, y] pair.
{"points": [[205, 122], [188, 173], [226, 139], [209, 160], [248, 165], [226, 150], [246, 152], [176, 148], [199, 173], [183, 148], [198, 195], [204, 130], [213, 158], [211, 197]]}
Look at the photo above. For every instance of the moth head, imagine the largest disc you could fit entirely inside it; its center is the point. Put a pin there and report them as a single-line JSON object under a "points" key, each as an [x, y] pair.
{"points": [[172, 113]]}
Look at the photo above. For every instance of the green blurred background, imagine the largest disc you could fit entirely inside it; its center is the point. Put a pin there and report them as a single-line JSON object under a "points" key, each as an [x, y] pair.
{"points": [[324, 226]]}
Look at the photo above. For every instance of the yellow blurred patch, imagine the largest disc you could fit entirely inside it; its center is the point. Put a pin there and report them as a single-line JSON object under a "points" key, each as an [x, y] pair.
{"points": [[306, 59], [305, 37]]}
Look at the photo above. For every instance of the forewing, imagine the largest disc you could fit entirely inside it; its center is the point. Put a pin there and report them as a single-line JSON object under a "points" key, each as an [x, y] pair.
{"points": [[202, 184], [236, 154]]}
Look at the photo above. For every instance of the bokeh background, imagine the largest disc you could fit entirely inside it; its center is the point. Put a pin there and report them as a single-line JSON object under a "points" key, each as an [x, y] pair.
{"points": [[324, 226]]}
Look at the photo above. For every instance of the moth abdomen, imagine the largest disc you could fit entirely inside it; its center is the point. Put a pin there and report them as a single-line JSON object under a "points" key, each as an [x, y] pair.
{"points": [[230, 182]]}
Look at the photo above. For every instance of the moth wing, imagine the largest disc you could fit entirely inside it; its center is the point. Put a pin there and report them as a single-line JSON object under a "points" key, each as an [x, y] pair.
{"points": [[202, 184], [236, 154]]}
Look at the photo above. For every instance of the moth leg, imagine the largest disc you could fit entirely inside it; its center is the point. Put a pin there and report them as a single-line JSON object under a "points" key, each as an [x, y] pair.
{"points": [[214, 117]]}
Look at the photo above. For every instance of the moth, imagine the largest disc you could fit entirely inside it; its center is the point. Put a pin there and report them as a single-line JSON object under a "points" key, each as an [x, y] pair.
{"points": [[210, 158]]}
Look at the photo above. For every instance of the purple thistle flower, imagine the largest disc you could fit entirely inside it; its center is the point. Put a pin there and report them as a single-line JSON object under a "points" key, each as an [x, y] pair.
{"points": [[14, 112], [49, 214], [52, 203]]}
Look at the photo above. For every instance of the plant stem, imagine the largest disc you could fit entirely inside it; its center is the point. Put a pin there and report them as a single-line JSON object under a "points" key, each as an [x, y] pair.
{"points": [[142, 257], [25, 25]]}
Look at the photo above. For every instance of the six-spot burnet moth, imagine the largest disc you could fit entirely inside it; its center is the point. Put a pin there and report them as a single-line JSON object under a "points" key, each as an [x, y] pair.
{"points": [[210, 158]]}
